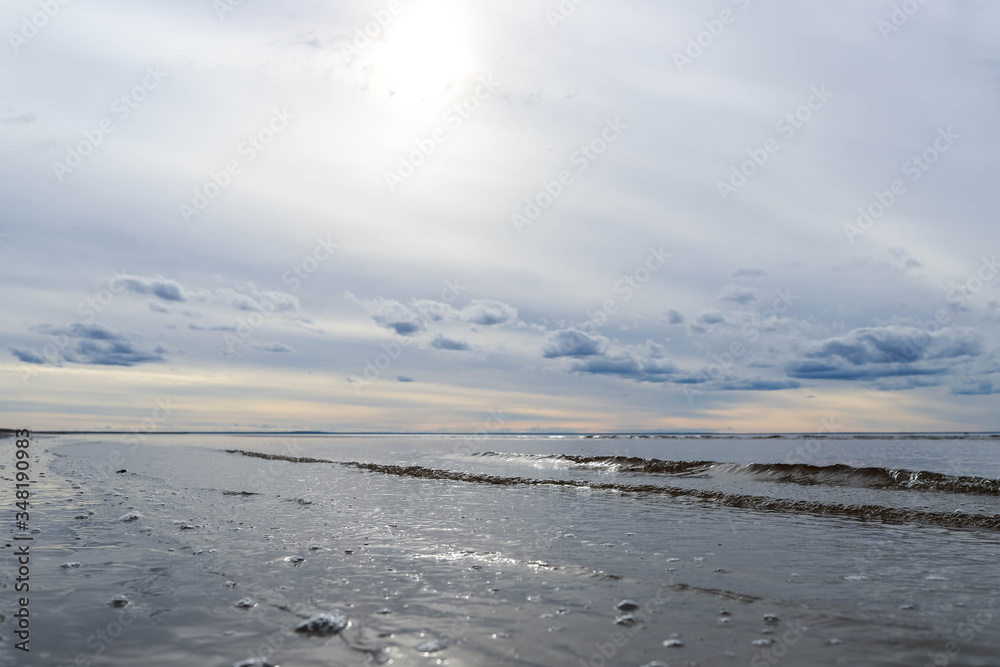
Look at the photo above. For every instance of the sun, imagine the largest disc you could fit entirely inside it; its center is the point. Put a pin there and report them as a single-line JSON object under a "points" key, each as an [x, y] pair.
{"points": [[425, 49]]}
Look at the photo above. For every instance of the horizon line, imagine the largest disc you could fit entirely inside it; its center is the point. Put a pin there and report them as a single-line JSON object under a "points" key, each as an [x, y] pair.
{"points": [[491, 433]]}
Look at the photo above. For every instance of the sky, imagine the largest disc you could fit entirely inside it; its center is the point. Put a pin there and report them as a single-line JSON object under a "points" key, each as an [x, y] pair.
{"points": [[434, 215]]}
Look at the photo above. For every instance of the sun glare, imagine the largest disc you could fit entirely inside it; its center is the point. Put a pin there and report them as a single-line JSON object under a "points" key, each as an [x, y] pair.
{"points": [[426, 48]]}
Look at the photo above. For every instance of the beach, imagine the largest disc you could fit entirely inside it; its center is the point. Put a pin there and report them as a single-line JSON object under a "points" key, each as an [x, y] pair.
{"points": [[498, 550]]}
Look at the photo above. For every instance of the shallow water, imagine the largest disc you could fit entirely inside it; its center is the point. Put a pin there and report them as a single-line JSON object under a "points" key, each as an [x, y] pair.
{"points": [[515, 550]]}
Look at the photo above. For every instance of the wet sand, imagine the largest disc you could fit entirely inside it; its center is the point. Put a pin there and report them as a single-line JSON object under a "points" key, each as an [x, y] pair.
{"points": [[510, 551]]}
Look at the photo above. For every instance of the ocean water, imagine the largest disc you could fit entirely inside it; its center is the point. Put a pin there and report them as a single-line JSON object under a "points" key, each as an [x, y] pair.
{"points": [[510, 550]]}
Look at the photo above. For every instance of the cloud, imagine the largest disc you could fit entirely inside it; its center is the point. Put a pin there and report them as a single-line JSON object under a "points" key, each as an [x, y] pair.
{"points": [[407, 319], [627, 365], [442, 343], [712, 317], [435, 311], [273, 346], [404, 378], [895, 344], [674, 317], [622, 364], [906, 382], [245, 296], [27, 356], [904, 257], [573, 343], [164, 288], [220, 327], [738, 294], [828, 371], [894, 351], [757, 384], [641, 363], [25, 118], [977, 388], [248, 297], [488, 312], [94, 344], [393, 314], [747, 272]]}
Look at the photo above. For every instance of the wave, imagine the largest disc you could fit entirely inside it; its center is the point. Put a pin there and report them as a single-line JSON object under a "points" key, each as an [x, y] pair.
{"points": [[878, 513], [278, 457], [782, 472], [792, 473]]}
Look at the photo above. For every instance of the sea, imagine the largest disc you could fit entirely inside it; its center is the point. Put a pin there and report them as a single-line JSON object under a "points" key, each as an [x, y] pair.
{"points": [[315, 550]]}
